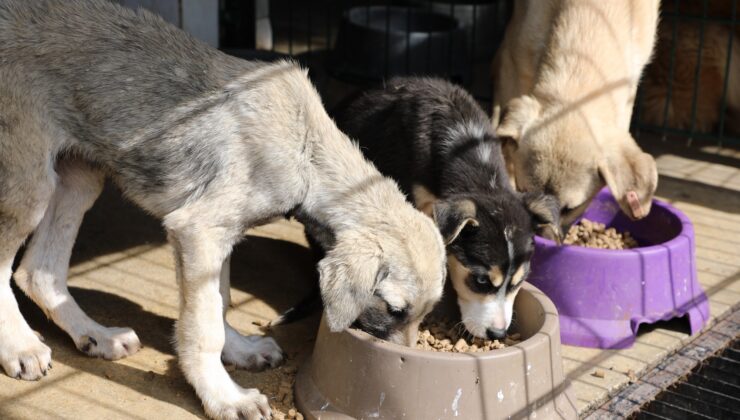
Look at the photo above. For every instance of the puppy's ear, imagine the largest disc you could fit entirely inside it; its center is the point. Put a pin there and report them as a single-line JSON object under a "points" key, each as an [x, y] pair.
{"points": [[348, 276], [545, 211], [632, 177], [517, 116], [452, 216]]}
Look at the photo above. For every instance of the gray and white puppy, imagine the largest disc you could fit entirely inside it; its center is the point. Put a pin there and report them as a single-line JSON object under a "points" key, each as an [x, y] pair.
{"points": [[210, 144], [434, 139]]}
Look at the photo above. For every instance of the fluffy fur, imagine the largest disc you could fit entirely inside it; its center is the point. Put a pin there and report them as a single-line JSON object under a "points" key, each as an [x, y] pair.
{"points": [[437, 143], [564, 85], [210, 144]]}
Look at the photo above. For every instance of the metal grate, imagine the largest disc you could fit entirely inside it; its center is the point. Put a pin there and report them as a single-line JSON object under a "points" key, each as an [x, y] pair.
{"points": [[710, 391]]}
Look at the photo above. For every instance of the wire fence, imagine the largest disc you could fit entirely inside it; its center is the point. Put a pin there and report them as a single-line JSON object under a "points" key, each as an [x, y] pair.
{"points": [[692, 87], [690, 91]]}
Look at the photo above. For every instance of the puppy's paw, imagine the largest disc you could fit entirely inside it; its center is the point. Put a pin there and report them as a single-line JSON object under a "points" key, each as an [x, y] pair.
{"points": [[248, 404], [251, 352], [109, 343], [24, 356]]}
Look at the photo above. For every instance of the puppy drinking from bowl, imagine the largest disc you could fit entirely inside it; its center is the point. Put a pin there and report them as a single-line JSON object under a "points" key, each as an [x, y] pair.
{"points": [[565, 80], [210, 144], [438, 144]]}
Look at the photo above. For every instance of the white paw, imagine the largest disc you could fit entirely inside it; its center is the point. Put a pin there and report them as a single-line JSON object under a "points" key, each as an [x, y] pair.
{"points": [[109, 343], [24, 356], [250, 352], [247, 404]]}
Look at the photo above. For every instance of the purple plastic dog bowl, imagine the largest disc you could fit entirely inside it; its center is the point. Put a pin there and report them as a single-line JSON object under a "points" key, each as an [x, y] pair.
{"points": [[603, 296]]}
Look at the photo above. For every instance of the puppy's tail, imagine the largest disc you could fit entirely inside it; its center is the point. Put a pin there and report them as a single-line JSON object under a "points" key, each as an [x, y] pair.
{"points": [[303, 309]]}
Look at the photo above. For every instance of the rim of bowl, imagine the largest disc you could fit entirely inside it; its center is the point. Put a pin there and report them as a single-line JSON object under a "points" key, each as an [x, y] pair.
{"points": [[685, 225], [456, 26], [543, 336]]}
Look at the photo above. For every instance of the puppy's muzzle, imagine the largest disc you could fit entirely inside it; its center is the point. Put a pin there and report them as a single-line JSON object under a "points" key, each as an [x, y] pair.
{"points": [[637, 211], [496, 333]]}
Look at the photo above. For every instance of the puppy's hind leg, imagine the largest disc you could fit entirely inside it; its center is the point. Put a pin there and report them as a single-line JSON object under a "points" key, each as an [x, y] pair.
{"points": [[42, 274], [25, 189], [251, 352]]}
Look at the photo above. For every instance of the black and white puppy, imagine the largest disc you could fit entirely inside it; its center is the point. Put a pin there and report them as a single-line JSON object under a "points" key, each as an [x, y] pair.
{"points": [[437, 143]]}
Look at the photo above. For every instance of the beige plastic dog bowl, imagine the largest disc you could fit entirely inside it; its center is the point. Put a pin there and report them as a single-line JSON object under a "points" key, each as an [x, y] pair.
{"points": [[354, 375]]}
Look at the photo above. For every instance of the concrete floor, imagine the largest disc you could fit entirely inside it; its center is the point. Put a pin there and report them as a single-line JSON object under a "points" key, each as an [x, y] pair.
{"points": [[122, 274]]}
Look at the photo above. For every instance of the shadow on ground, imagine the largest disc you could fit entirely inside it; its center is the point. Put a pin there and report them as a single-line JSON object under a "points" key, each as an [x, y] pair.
{"points": [[275, 271]]}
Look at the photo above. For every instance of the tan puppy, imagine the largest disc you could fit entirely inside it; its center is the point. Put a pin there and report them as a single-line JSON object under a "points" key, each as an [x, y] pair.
{"points": [[211, 145], [564, 85]]}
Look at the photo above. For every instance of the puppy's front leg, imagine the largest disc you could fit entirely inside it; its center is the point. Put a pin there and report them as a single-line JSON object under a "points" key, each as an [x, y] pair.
{"points": [[245, 352], [199, 254]]}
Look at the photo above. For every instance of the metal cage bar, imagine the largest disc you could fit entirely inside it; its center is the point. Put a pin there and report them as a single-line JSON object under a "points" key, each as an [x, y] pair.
{"points": [[697, 74], [723, 107], [671, 71]]}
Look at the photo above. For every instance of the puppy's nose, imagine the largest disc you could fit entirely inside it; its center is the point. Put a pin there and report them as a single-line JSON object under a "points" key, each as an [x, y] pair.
{"points": [[634, 203], [495, 333]]}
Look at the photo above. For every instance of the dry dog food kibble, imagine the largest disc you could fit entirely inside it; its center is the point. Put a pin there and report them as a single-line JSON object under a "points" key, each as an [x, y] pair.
{"points": [[442, 335], [277, 385], [597, 235]]}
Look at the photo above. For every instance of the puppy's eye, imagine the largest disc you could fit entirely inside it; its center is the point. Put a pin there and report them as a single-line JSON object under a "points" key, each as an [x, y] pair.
{"points": [[481, 283], [399, 313]]}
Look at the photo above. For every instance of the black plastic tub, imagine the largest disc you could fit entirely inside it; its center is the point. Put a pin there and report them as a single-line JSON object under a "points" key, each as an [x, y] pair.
{"points": [[483, 21], [378, 42]]}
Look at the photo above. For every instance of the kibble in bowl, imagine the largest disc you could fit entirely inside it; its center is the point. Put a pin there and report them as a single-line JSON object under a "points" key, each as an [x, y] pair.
{"points": [[446, 336], [596, 235]]}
